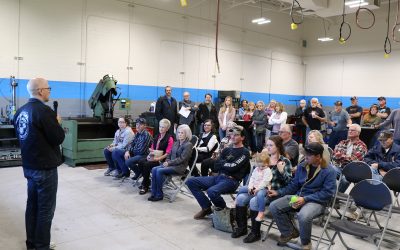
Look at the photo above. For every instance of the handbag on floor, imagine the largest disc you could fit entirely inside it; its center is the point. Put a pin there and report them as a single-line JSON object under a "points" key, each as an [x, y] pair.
{"points": [[224, 219]]}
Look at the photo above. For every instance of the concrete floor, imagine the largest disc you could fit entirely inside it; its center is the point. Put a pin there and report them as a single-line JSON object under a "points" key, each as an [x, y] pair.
{"points": [[96, 212]]}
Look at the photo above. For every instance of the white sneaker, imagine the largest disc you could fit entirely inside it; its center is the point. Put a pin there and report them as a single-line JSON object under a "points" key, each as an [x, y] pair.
{"points": [[306, 247], [114, 173], [52, 245]]}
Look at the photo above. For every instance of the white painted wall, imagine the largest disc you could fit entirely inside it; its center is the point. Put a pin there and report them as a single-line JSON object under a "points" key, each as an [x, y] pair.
{"points": [[108, 36], [356, 68]]}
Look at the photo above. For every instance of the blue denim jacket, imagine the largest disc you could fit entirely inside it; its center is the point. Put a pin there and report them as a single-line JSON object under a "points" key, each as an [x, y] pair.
{"points": [[319, 189]]}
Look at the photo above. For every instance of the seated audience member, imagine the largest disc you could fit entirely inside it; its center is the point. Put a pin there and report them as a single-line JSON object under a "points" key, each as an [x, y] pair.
{"points": [[259, 183], [281, 175], [232, 166], [123, 136], [290, 145], [207, 165], [278, 118], [243, 108], [175, 164], [259, 120], [394, 121], [137, 150], [248, 113], [384, 156], [371, 119], [355, 111], [352, 149], [206, 145], [339, 119], [315, 136], [313, 116], [162, 143], [314, 185]]}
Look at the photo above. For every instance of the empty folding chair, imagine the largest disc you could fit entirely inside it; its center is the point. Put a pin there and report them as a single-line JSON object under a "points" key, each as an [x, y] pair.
{"points": [[368, 194]]}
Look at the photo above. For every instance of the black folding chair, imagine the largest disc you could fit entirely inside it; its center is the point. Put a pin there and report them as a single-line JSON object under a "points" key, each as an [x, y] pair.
{"points": [[368, 194], [354, 172]]}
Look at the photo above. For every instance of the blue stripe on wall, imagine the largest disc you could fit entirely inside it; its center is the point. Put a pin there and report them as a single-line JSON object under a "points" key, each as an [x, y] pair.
{"points": [[77, 90]]}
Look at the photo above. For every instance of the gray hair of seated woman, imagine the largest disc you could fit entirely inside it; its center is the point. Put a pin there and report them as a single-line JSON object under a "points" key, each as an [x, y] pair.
{"points": [[186, 131]]}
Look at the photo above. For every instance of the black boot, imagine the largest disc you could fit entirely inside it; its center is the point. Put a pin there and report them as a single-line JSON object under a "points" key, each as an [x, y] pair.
{"points": [[241, 220], [255, 233]]}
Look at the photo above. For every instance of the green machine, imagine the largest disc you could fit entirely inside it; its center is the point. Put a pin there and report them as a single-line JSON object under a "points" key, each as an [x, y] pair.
{"points": [[86, 138]]}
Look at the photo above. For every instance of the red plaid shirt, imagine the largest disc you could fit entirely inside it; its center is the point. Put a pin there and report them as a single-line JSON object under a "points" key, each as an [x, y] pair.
{"points": [[340, 157]]}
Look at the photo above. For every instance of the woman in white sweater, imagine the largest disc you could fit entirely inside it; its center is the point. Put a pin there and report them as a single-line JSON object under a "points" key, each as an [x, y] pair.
{"points": [[277, 118]]}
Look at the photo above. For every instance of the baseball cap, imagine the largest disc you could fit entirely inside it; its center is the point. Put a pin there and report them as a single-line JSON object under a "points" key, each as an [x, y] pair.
{"points": [[338, 103], [314, 148], [237, 130], [381, 98], [141, 120], [384, 135], [353, 98]]}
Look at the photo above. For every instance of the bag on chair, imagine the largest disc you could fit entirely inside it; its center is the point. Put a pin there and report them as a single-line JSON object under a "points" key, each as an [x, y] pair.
{"points": [[224, 220]]}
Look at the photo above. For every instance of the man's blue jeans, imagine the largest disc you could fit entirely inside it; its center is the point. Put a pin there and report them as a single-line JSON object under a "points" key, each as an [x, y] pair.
{"points": [[281, 210], [131, 163], [40, 206], [157, 179], [257, 202], [215, 187]]}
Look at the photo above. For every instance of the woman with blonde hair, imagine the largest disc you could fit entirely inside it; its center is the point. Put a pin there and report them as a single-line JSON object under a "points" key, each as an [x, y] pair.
{"points": [[278, 117], [226, 114], [315, 136], [249, 112], [259, 120]]}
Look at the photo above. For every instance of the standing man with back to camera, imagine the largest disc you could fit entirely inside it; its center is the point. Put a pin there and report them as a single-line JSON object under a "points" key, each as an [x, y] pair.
{"points": [[40, 135]]}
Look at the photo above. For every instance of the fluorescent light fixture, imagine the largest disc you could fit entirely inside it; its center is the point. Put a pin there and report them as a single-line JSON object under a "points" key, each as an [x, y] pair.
{"points": [[354, 2], [358, 4], [261, 20], [257, 20], [325, 39], [264, 21]]}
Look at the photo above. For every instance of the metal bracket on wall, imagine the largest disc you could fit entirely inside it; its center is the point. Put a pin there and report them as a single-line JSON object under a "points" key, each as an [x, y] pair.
{"points": [[129, 68], [18, 58], [80, 63]]}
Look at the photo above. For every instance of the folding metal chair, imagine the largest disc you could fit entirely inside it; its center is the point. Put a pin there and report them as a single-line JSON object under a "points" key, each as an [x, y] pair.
{"points": [[354, 172], [172, 184], [368, 194]]}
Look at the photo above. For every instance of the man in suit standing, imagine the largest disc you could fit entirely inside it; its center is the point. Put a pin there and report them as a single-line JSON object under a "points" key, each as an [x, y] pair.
{"points": [[166, 107]]}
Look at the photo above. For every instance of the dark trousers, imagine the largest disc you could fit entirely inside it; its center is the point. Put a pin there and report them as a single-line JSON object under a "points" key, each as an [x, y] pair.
{"points": [[40, 206], [144, 167], [201, 157], [259, 140], [206, 166]]}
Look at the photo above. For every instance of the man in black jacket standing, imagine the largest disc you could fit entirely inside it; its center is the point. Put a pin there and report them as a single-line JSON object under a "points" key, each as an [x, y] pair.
{"points": [[166, 107], [40, 135]]}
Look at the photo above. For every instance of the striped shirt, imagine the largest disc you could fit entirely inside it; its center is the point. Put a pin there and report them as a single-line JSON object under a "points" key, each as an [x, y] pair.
{"points": [[140, 144]]}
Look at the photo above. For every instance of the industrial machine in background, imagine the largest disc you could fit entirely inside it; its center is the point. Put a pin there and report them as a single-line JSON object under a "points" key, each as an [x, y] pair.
{"points": [[10, 153], [86, 138]]}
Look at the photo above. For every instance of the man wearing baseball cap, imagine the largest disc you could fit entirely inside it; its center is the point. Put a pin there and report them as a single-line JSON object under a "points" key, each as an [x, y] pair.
{"points": [[384, 156], [354, 110], [137, 150], [314, 185], [232, 166], [339, 119], [383, 110], [394, 121]]}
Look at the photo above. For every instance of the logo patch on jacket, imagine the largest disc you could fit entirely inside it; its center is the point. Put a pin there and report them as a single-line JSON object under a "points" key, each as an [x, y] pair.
{"points": [[23, 125]]}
